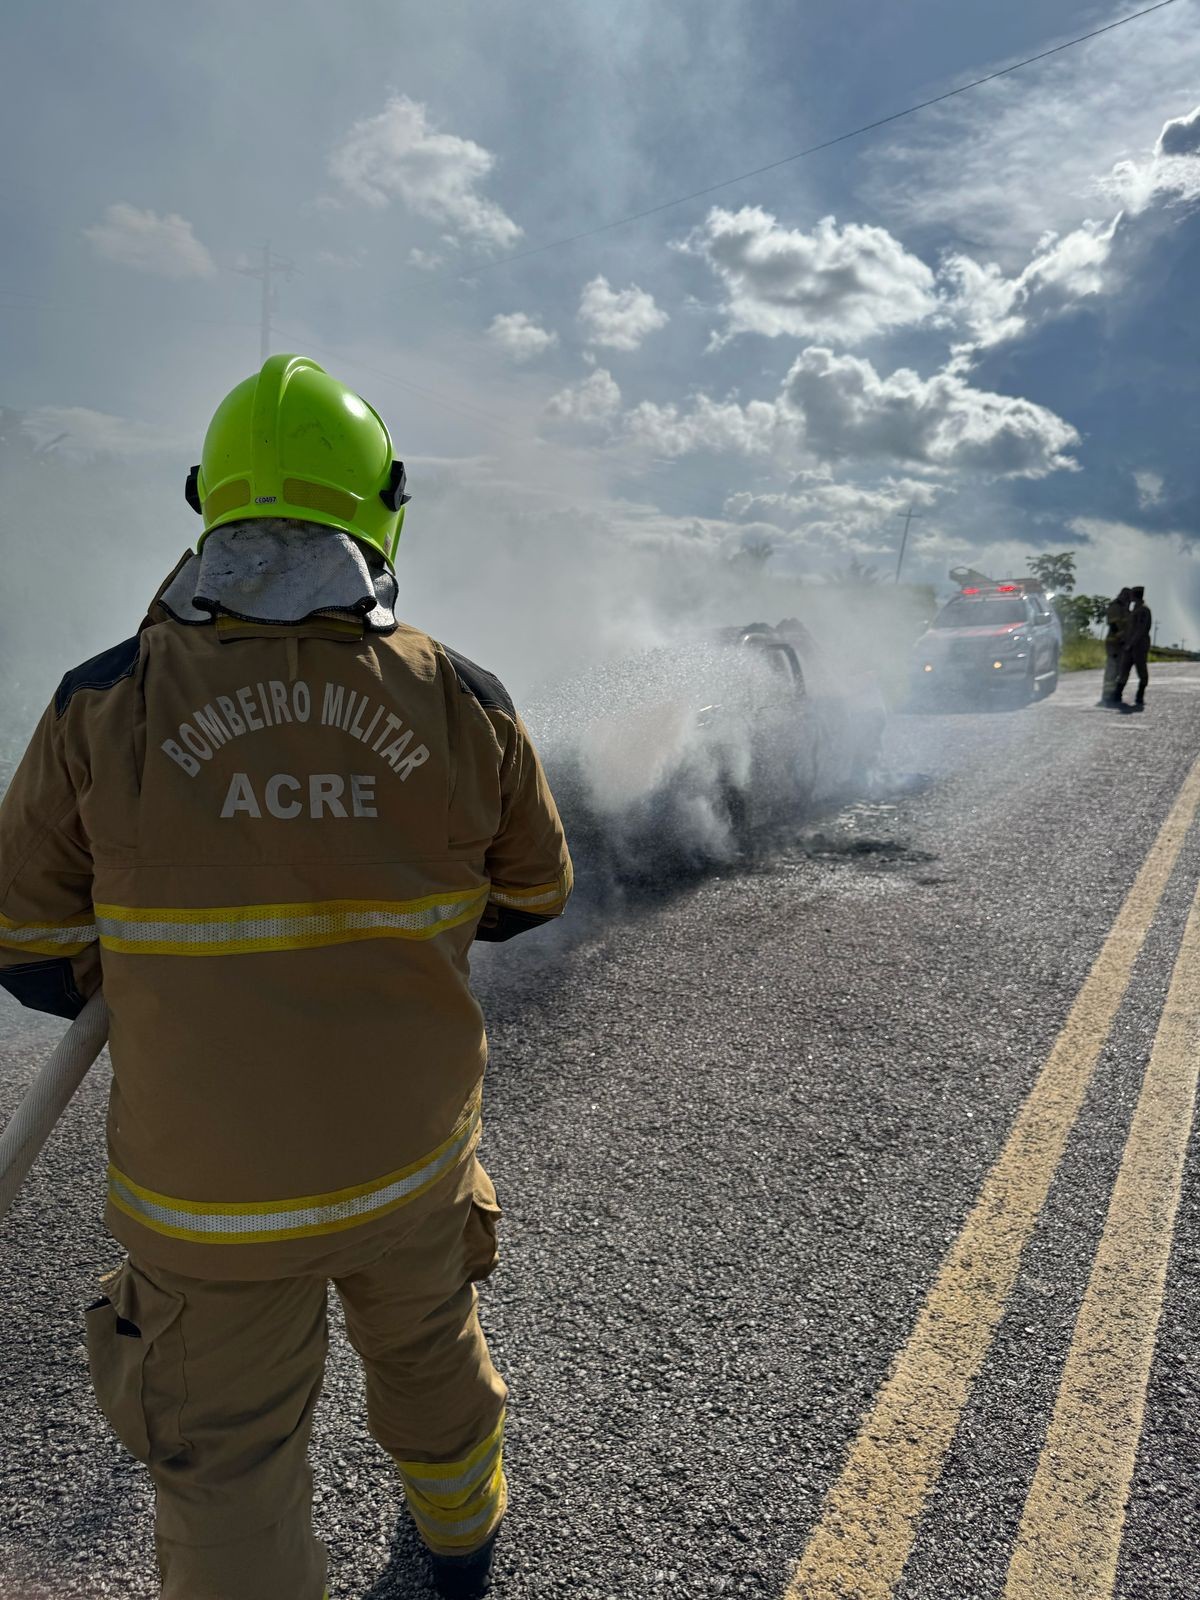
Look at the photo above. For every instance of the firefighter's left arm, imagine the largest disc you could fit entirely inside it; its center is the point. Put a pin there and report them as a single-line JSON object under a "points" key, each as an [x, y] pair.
{"points": [[49, 958], [528, 861]]}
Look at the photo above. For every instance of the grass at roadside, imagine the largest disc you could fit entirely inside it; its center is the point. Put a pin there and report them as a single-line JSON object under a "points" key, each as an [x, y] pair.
{"points": [[1080, 654]]}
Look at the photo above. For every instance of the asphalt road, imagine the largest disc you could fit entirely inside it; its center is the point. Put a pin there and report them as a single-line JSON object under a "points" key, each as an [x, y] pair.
{"points": [[738, 1128]]}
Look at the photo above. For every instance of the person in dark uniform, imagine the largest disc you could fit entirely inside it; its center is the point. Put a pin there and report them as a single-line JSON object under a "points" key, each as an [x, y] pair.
{"points": [[1137, 648], [1115, 643]]}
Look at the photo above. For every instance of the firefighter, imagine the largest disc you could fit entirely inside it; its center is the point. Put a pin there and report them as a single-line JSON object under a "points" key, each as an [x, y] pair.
{"points": [[1137, 648], [1114, 647], [271, 824]]}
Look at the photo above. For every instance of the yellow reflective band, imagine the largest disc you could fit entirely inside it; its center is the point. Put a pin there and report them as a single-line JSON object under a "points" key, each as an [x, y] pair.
{"points": [[469, 1535], [467, 1527], [544, 898], [451, 1494], [456, 1504], [265, 1221], [246, 930], [69, 938], [445, 1476]]}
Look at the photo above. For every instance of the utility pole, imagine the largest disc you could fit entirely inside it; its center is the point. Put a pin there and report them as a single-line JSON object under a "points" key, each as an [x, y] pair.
{"points": [[265, 272], [908, 516]]}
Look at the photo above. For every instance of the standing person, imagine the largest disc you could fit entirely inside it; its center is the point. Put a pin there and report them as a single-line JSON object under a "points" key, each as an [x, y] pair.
{"points": [[1114, 647], [1137, 648], [271, 825]]}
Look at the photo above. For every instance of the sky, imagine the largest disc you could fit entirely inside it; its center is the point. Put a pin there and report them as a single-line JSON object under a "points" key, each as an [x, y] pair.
{"points": [[984, 312]]}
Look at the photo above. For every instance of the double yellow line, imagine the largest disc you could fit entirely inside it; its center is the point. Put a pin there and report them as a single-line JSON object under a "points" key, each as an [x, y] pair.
{"points": [[1070, 1533]]}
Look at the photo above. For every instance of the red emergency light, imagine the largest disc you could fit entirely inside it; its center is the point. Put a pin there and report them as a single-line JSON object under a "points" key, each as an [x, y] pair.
{"points": [[1008, 588], [970, 591]]}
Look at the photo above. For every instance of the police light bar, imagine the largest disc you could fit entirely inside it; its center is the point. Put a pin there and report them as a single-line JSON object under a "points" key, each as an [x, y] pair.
{"points": [[1019, 587]]}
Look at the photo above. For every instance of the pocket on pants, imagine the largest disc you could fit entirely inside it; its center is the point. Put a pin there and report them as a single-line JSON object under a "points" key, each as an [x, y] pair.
{"points": [[485, 1213], [135, 1355]]}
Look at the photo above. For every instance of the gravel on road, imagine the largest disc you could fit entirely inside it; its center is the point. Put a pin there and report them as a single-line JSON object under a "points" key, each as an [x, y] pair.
{"points": [[734, 1126]]}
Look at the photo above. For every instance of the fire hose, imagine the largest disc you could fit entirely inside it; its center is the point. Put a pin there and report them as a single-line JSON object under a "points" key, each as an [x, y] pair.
{"points": [[34, 1119]]}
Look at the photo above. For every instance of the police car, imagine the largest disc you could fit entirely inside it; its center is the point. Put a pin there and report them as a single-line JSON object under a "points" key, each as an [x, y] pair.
{"points": [[996, 638]]}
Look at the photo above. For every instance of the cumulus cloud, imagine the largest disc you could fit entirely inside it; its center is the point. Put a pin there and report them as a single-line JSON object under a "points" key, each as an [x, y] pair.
{"points": [[834, 514], [165, 246], [618, 318], [424, 260], [706, 424], [1063, 271], [400, 155], [521, 337], [849, 410], [1180, 136], [1171, 173], [79, 432], [843, 284], [595, 401], [839, 408], [818, 494], [1149, 488]]}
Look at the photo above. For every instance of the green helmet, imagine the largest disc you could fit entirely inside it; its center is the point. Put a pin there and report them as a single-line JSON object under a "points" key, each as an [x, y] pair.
{"points": [[293, 442]]}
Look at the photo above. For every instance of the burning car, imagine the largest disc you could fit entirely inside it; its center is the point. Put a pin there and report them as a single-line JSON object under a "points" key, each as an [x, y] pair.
{"points": [[683, 755]]}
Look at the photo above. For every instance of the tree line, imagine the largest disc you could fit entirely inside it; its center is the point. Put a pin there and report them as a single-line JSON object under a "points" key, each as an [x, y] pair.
{"points": [[1079, 613]]}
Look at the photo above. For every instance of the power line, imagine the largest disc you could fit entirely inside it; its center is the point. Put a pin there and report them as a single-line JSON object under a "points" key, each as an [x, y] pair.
{"points": [[813, 149], [265, 272], [908, 516]]}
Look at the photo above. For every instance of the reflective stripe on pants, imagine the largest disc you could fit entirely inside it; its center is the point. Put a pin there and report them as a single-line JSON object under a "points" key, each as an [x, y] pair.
{"points": [[213, 1383], [435, 1402], [457, 1505]]}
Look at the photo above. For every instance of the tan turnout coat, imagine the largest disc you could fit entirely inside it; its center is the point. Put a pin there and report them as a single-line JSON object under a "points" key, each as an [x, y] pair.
{"points": [[274, 846]]}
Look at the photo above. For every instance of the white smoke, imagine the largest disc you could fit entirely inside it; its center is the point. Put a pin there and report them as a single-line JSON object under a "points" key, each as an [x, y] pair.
{"points": [[599, 616]]}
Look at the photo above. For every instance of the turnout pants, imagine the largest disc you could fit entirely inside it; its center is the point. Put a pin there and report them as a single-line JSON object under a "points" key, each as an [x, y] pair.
{"points": [[213, 1386]]}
